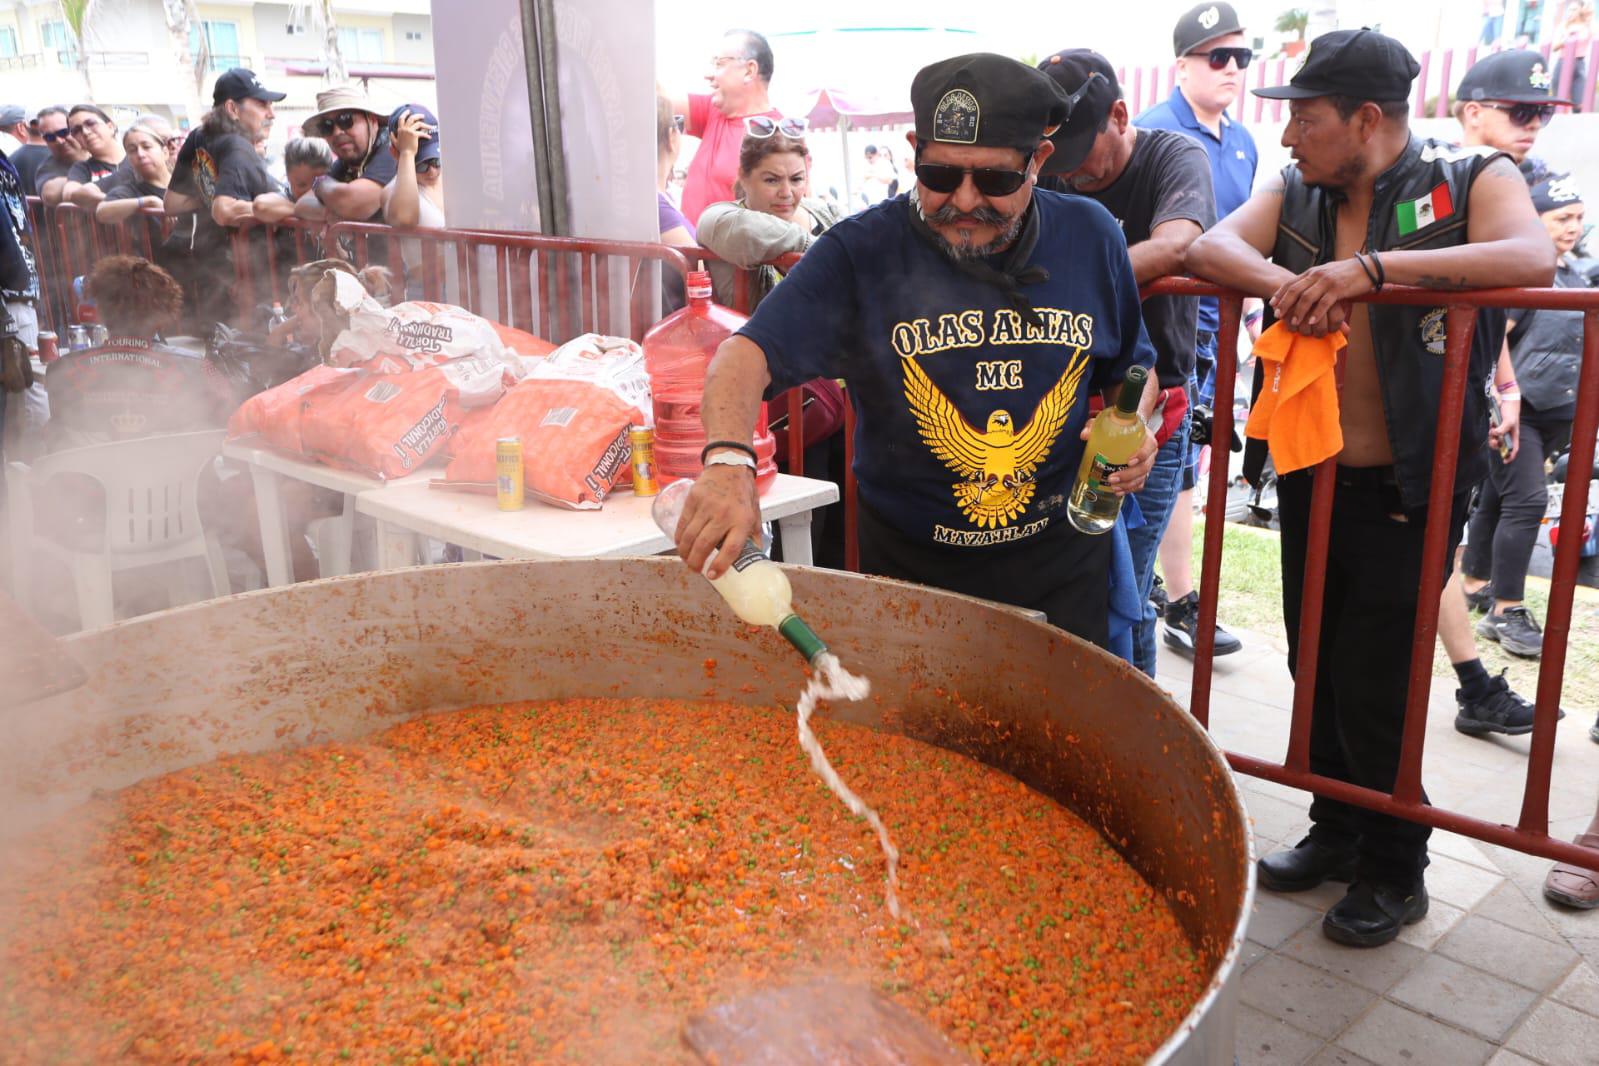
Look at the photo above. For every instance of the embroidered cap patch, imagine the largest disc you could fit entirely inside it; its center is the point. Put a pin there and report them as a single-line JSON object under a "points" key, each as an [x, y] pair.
{"points": [[956, 117]]}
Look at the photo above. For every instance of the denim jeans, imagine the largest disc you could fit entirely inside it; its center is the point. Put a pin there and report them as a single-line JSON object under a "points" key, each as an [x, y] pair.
{"points": [[1155, 500]]}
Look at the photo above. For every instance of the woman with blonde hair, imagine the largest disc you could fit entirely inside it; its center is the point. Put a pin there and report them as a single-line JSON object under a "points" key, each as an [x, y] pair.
{"points": [[148, 143]]}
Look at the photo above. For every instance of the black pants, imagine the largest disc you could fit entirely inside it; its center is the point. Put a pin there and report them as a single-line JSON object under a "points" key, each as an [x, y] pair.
{"points": [[1367, 622], [1061, 572], [1504, 528]]}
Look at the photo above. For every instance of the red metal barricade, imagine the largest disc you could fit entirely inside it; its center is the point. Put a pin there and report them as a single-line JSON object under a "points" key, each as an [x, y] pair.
{"points": [[1530, 833], [560, 287]]}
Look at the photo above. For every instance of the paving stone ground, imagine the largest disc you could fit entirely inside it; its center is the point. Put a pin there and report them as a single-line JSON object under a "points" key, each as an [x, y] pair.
{"points": [[1495, 973]]}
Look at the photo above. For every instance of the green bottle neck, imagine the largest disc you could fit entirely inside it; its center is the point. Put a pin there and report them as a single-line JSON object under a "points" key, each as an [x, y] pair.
{"points": [[804, 639]]}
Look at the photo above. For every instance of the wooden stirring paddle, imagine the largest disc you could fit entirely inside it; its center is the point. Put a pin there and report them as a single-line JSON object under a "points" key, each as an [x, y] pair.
{"points": [[817, 1022]]}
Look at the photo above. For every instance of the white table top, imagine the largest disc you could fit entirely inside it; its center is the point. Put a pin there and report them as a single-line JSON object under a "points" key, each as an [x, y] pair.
{"points": [[251, 450], [542, 531]]}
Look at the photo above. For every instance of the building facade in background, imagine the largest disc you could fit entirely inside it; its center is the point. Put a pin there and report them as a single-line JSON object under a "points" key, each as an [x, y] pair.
{"points": [[128, 60]]}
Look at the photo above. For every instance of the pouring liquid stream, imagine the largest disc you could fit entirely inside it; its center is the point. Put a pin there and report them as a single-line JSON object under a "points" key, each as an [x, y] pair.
{"points": [[759, 593], [830, 682]]}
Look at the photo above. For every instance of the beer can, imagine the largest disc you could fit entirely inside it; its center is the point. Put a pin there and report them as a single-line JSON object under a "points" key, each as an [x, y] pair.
{"points": [[49, 347], [508, 472], [99, 336], [644, 481], [77, 338]]}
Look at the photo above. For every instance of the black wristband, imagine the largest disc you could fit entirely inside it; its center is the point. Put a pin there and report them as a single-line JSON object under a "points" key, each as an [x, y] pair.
{"points": [[1382, 275], [1371, 275], [733, 444]]}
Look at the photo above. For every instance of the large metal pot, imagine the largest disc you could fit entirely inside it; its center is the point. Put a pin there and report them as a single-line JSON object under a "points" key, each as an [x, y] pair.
{"points": [[337, 659]]}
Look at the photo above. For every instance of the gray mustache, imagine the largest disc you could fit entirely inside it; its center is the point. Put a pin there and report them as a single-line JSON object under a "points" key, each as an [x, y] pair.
{"points": [[949, 214]]}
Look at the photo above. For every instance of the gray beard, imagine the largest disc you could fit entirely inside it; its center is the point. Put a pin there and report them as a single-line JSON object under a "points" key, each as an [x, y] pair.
{"points": [[962, 252]]}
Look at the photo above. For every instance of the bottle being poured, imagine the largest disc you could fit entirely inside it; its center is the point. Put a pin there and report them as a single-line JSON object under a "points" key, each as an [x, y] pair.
{"points": [[759, 593]]}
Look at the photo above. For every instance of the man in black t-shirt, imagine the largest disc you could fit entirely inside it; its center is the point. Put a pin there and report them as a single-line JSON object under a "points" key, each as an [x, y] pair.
{"points": [[1157, 185], [217, 178], [357, 132], [64, 151], [30, 148]]}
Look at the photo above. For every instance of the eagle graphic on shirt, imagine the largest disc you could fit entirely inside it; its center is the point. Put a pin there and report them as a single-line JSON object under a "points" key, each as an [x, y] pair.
{"points": [[997, 463]]}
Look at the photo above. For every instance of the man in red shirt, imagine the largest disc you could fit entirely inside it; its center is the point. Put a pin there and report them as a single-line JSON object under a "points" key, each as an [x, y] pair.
{"points": [[740, 73]]}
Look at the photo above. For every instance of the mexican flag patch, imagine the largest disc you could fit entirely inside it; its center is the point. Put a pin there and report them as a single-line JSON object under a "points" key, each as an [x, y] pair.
{"points": [[1423, 212]]}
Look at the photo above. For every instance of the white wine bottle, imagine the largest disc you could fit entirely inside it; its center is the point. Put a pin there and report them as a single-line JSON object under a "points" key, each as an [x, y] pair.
{"points": [[1117, 434], [754, 586]]}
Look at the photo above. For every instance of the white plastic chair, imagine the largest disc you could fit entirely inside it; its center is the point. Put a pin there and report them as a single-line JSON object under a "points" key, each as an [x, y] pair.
{"points": [[151, 517]]}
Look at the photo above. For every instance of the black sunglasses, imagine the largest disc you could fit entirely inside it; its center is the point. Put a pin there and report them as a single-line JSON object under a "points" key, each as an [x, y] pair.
{"points": [[57, 135], [424, 165], [679, 123], [344, 120], [1523, 114], [990, 181], [1219, 56]]}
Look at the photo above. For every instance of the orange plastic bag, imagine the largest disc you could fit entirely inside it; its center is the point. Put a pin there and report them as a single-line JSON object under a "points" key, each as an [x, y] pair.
{"points": [[276, 415], [574, 441]]}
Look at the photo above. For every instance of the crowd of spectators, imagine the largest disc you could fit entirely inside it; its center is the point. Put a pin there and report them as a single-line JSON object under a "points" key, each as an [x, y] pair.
{"points": [[1179, 182]]}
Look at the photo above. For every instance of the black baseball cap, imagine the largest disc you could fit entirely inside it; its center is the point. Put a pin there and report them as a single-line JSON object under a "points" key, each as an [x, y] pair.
{"points": [[428, 148], [1555, 192], [242, 84], [1516, 77], [987, 100], [1088, 79], [1202, 23], [1362, 64]]}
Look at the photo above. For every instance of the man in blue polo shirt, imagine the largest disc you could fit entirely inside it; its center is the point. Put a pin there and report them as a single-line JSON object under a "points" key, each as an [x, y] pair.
{"points": [[971, 319], [1211, 59]]}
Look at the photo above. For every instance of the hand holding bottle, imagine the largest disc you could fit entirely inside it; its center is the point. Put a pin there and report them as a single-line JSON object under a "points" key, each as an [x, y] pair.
{"points": [[720, 513]]}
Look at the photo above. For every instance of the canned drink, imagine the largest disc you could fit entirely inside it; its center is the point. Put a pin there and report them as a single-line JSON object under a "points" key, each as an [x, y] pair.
{"points": [[99, 335], [77, 338], [645, 482], [508, 472], [49, 347]]}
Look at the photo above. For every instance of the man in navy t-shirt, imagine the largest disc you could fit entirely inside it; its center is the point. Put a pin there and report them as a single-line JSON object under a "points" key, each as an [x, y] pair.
{"points": [[971, 320]]}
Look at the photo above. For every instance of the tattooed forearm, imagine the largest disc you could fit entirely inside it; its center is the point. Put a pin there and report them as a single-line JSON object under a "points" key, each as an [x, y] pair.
{"points": [[1438, 281]]}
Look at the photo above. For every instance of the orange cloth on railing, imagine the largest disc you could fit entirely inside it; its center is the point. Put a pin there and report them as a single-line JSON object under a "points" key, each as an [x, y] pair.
{"points": [[1296, 413]]}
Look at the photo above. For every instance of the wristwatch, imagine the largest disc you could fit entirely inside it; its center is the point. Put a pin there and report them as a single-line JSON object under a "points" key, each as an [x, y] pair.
{"points": [[731, 458]]}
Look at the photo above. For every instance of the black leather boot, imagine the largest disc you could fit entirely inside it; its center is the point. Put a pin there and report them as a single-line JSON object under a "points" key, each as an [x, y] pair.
{"points": [[1372, 913], [1303, 867]]}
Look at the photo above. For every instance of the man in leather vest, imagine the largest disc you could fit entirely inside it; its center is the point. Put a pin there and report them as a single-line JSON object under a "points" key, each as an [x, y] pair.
{"points": [[1366, 204]]}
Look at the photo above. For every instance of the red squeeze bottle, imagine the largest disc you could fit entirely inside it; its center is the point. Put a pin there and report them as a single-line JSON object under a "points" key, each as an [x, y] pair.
{"points": [[677, 351]]}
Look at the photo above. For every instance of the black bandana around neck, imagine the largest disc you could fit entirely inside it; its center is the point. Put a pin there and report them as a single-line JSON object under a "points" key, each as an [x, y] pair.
{"points": [[1012, 276]]}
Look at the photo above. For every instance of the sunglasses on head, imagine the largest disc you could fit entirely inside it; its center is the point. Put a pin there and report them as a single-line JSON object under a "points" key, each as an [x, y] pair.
{"points": [[344, 120], [990, 181], [763, 126], [1219, 56], [1523, 114]]}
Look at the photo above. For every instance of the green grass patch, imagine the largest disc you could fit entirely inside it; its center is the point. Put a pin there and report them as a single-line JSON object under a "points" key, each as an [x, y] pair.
{"points": [[1251, 598]]}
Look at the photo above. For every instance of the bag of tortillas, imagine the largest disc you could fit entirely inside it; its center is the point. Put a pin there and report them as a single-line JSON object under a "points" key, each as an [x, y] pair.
{"points": [[419, 333], [572, 413]]}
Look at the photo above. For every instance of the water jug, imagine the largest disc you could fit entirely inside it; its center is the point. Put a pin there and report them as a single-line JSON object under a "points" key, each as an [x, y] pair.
{"points": [[677, 352]]}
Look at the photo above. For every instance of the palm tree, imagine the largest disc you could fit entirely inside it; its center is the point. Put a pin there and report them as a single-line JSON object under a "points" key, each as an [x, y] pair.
{"points": [[76, 13], [183, 28], [1292, 21], [319, 13], [182, 19]]}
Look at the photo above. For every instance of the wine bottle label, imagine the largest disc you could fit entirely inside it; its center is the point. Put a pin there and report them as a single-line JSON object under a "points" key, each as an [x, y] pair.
{"points": [[748, 557], [1100, 472]]}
